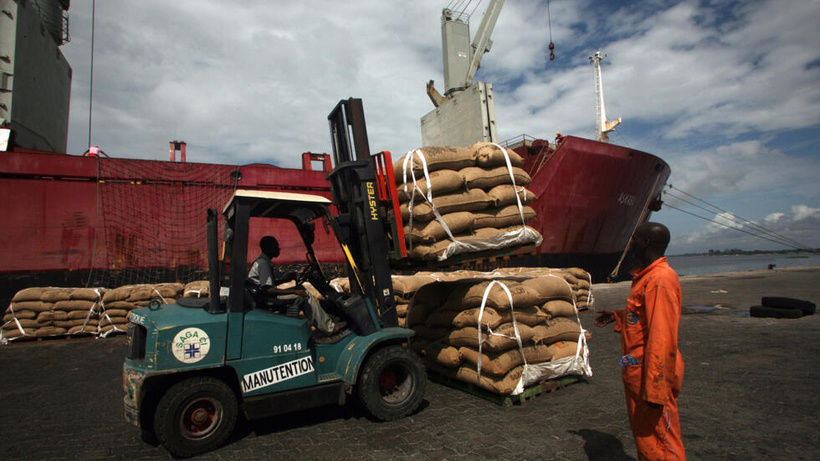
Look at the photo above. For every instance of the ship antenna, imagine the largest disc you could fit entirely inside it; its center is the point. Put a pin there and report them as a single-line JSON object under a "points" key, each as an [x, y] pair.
{"points": [[91, 72], [549, 22]]}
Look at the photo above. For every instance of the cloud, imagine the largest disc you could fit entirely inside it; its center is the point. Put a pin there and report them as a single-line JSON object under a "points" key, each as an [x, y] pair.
{"points": [[777, 231], [717, 89]]}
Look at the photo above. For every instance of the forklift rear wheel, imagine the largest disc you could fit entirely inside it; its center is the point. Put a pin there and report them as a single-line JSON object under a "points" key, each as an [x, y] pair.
{"points": [[392, 383], [195, 416]]}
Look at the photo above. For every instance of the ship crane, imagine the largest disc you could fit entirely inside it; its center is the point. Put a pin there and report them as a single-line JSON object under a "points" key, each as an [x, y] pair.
{"points": [[603, 126], [465, 113]]}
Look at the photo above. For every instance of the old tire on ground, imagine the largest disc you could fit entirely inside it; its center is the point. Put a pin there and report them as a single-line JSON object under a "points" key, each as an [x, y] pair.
{"points": [[392, 383], [195, 416], [807, 307], [775, 312]]}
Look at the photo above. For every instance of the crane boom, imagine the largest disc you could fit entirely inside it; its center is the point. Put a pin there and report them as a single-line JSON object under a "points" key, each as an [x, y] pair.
{"points": [[481, 42]]}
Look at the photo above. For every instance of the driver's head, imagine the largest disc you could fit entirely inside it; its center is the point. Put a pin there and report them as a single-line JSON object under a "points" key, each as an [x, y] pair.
{"points": [[270, 246]]}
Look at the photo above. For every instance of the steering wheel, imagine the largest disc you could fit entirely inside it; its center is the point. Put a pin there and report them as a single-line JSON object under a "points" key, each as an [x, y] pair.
{"points": [[304, 275]]}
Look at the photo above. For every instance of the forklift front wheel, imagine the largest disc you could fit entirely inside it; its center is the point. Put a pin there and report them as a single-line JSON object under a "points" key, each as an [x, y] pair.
{"points": [[195, 416], [392, 383]]}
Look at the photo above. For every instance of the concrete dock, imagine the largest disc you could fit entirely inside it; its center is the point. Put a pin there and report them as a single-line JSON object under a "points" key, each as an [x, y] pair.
{"points": [[750, 392]]}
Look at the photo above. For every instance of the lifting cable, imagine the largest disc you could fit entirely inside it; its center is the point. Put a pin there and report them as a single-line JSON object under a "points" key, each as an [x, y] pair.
{"points": [[549, 22], [751, 228]]}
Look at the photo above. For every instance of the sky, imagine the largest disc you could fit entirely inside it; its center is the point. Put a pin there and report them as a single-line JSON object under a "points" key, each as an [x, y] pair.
{"points": [[726, 92]]}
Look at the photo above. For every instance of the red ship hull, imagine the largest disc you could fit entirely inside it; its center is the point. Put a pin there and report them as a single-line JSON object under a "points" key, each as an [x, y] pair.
{"points": [[72, 220]]}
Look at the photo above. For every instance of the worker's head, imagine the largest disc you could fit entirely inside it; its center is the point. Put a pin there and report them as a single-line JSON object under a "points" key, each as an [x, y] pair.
{"points": [[270, 246], [649, 242]]}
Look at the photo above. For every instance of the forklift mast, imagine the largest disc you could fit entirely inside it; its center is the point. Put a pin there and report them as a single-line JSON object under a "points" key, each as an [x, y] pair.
{"points": [[363, 192]]}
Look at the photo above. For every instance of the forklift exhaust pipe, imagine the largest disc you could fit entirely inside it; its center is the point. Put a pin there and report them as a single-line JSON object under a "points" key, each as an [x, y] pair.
{"points": [[213, 261]]}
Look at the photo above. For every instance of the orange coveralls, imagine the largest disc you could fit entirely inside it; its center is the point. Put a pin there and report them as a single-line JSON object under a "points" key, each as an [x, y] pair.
{"points": [[652, 364]]}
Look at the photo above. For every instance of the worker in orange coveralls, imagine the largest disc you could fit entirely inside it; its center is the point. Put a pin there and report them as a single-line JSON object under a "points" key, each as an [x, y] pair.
{"points": [[652, 367]]}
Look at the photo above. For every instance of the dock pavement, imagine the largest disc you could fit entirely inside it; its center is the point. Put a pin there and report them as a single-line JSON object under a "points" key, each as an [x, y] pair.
{"points": [[749, 392]]}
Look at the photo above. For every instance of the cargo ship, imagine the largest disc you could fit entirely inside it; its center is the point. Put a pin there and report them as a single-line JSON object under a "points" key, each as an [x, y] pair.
{"points": [[91, 220]]}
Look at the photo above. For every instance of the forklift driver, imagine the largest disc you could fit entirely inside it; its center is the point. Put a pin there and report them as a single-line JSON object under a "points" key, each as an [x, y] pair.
{"points": [[261, 274]]}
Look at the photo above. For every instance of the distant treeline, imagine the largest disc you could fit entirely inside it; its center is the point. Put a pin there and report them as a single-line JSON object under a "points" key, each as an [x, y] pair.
{"points": [[738, 251]]}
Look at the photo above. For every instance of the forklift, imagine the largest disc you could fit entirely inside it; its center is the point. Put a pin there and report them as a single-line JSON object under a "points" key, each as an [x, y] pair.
{"points": [[193, 367]]}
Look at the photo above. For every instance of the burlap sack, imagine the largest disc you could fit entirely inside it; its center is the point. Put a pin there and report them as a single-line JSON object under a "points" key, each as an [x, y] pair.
{"points": [[29, 294], [557, 329], [149, 292], [25, 323], [559, 308], [548, 288], [74, 305], [89, 294], [433, 251], [491, 318], [117, 312], [498, 385], [405, 285], [503, 337], [80, 329], [577, 273], [502, 217], [562, 349], [125, 305], [488, 155], [481, 178], [34, 306], [81, 314], [76, 322], [442, 354], [48, 316], [118, 294], [52, 295], [401, 310], [115, 320], [116, 327], [197, 289], [432, 231], [442, 182], [49, 331], [436, 158], [472, 200], [26, 314], [504, 195], [469, 295], [15, 333], [500, 363]]}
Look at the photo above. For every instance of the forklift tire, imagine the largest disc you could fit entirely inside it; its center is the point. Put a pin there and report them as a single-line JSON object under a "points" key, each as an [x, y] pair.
{"points": [[195, 416], [392, 383]]}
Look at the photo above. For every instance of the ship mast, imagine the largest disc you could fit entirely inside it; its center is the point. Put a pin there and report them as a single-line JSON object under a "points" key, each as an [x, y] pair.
{"points": [[602, 125]]}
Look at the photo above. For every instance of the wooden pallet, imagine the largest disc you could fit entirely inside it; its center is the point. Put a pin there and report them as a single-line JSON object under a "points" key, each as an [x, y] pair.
{"points": [[531, 392]]}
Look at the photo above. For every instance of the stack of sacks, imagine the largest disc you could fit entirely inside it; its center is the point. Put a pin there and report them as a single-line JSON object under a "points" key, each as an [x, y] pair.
{"points": [[50, 311], [458, 200], [526, 331], [120, 301], [406, 286]]}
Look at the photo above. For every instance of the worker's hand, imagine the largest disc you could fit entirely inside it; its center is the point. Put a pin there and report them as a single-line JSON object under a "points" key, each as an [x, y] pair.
{"points": [[605, 317], [299, 291]]}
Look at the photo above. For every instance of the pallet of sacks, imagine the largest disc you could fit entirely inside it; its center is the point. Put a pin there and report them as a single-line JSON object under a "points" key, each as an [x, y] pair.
{"points": [[501, 334], [462, 200], [49, 311], [406, 286]]}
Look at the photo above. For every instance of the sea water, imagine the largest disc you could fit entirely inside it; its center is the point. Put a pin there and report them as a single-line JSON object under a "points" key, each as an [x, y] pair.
{"points": [[718, 264]]}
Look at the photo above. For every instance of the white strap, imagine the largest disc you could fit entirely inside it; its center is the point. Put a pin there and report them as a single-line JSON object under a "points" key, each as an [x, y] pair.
{"points": [[490, 330]]}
